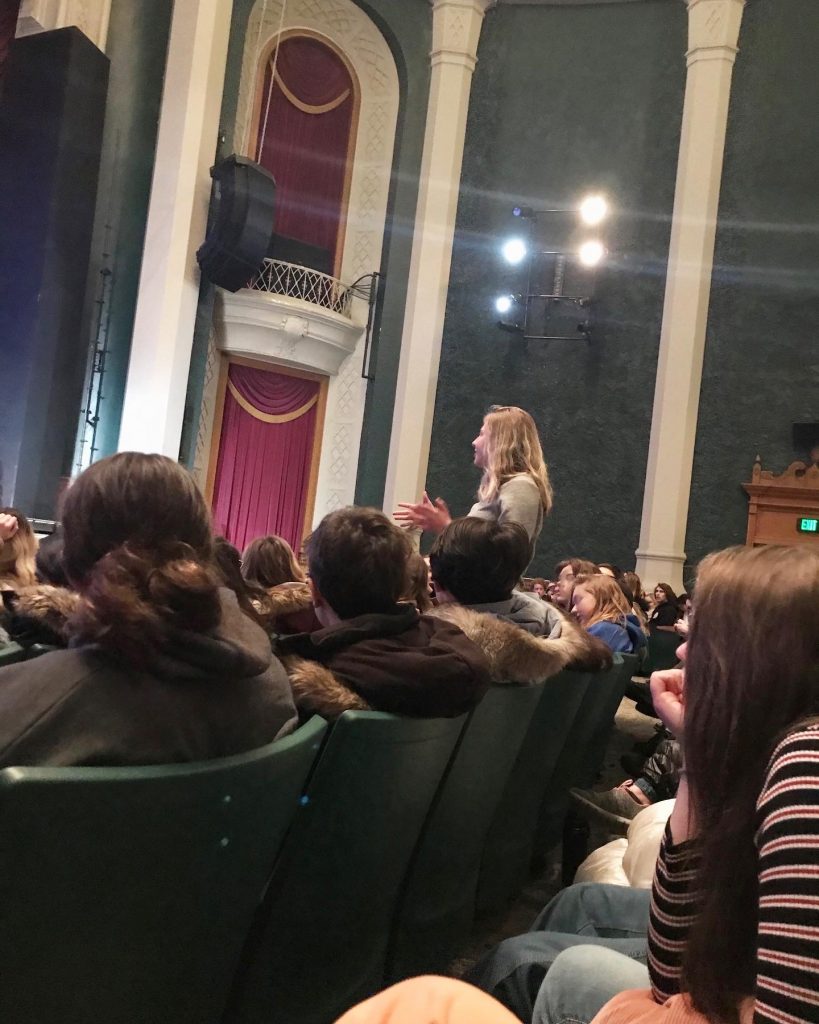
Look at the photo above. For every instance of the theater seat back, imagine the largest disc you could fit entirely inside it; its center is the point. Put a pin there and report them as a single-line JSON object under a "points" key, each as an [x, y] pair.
{"points": [[126, 894]]}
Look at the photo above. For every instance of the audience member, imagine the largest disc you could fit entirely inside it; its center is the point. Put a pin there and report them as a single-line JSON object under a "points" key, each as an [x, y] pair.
{"points": [[684, 613], [38, 612], [283, 601], [250, 596], [612, 571], [270, 561], [429, 1000], [418, 585], [733, 904], [515, 482], [48, 562], [163, 666], [18, 547], [565, 574], [600, 607], [478, 563], [664, 613], [372, 651], [540, 587]]}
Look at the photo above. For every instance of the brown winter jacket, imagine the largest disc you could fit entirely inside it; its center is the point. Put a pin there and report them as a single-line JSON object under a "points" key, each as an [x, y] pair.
{"points": [[328, 674]]}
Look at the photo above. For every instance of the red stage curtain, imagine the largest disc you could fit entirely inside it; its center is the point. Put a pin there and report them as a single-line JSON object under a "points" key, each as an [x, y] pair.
{"points": [[263, 469], [9, 10], [307, 139]]}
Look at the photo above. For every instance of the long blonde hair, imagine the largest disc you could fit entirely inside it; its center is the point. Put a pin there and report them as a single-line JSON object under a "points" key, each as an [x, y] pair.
{"points": [[17, 555], [513, 447], [610, 604]]}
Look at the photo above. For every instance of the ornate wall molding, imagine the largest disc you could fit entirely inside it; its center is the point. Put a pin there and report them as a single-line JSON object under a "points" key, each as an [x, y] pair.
{"points": [[348, 28]]}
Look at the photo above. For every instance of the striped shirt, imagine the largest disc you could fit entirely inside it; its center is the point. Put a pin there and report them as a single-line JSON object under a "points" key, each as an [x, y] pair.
{"points": [[787, 840]]}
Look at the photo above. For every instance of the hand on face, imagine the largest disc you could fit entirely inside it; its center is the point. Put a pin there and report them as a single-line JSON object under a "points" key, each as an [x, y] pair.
{"points": [[425, 514], [8, 526], [668, 696]]}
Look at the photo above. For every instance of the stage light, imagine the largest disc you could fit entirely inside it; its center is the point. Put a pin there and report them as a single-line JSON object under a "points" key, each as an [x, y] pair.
{"points": [[503, 304], [593, 210], [514, 251], [591, 253], [522, 211]]}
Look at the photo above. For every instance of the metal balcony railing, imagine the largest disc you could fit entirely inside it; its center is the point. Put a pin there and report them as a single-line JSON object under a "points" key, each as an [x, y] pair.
{"points": [[280, 278]]}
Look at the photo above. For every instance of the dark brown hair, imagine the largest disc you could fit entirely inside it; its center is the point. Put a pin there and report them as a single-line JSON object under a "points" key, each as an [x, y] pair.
{"points": [[479, 560], [417, 585], [252, 598], [668, 590], [580, 567], [358, 561], [137, 545], [270, 561], [751, 676]]}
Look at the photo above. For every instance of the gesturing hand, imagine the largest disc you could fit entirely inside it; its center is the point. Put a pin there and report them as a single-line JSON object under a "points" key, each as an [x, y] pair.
{"points": [[8, 526], [667, 695], [425, 514]]}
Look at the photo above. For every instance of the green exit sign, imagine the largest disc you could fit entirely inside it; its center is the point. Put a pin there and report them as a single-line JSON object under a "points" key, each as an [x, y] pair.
{"points": [[805, 524]]}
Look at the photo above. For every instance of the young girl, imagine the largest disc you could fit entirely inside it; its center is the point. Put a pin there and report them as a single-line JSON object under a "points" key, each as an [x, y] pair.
{"points": [[600, 607], [735, 907], [515, 483]]}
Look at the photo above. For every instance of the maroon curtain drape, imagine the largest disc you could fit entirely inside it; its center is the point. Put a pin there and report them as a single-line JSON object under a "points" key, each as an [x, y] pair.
{"points": [[263, 469], [9, 9], [307, 152]]}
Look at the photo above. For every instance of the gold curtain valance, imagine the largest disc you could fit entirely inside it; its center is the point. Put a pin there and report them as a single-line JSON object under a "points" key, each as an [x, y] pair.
{"points": [[267, 417], [307, 108]]}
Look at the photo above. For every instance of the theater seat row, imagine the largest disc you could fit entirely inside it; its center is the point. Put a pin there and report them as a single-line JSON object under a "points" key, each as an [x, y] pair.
{"points": [[283, 885]]}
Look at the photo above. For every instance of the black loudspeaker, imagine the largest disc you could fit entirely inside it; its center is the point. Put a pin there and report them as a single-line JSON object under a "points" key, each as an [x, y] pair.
{"points": [[240, 234], [51, 122], [291, 250]]}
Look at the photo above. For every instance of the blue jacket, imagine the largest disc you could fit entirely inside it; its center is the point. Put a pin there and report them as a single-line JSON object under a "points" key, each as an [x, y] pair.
{"points": [[622, 639]]}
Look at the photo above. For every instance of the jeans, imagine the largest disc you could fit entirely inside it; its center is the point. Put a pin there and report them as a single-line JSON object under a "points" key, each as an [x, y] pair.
{"points": [[579, 931]]}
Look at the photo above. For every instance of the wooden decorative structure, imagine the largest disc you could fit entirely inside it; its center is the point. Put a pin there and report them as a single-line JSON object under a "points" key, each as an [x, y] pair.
{"points": [[780, 504]]}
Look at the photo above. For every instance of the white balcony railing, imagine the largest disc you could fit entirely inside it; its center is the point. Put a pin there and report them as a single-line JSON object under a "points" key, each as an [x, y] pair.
{"points": [[279, 278]]}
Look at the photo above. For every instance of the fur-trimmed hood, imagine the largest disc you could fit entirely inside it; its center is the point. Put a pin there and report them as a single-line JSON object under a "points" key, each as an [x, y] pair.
{"points": [[516, 656], [288, 608], [39, 614], [513, 655]]}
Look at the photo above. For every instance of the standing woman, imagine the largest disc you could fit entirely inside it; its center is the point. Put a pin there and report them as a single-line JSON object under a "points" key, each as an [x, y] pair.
{"points": [[664, 615], [515, 483]]}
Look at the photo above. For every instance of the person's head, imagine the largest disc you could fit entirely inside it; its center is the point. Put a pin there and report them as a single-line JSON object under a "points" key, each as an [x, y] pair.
{"points": [[17, 554], [269, 561], [228, 563], [634, 585], [598, 598], [607, 569], [49, 560], [684, 604], [417, 586], [508, 444], [137, 545], [478, 561], [539, 587], [664, 593], [565, 574], [751, 675], [358, 564]]}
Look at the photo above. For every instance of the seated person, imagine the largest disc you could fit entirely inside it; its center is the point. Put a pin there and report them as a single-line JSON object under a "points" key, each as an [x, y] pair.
{"points": [[540, 587], [418, 586], [282, 597], [163, 667], [38, 613], [665, 613], [478, 563], [564, 576], [468, 553], [373, 651], [18, 547], [599, 606]]}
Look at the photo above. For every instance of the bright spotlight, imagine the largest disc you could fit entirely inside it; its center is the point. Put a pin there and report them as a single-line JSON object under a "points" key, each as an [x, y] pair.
{"points": [[503, 304], [514, 251], [591, 253], [593, 210]]}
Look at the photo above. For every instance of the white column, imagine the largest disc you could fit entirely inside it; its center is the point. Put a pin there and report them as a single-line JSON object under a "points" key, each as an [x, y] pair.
{"points": [[177, 218], [455, 33], [713, 33]]}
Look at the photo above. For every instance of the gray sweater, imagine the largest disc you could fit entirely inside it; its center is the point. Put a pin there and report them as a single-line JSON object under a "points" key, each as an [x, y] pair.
{"points": [[518, 500]]}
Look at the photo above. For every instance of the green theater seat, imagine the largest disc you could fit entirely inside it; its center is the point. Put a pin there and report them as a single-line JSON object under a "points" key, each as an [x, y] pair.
{"points": [[126, 894], [10, 654]]}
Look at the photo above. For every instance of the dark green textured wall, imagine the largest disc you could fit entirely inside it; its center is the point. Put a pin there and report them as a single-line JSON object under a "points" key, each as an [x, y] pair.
{"points": [[137, 44], [407, 28], [761, 371], [566, 100]]}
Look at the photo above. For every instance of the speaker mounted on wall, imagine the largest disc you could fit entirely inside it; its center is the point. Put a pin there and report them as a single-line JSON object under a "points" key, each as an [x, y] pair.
{"points": [[242, 228]]}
